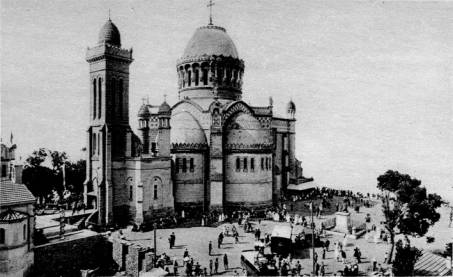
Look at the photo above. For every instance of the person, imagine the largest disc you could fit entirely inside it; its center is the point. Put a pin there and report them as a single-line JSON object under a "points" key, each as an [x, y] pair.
{"points": [[336, 251], [169, 241], [210, 267], [357, 254], [220, 239], [225, 261], [298, 268], [317, 268], [197, 269], [210, 247], [205, 272], [343, 256], [374, 264], [122, 236], [315, 257], [345, 240], [324, 253], [451, 217], [173, 239], [323, 269], [216, 266], [186, 253], [175, 267], [327, 243]]}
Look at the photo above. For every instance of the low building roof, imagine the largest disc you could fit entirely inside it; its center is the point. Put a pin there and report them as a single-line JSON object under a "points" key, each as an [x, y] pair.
{"points": [[13, 194], [302, 186], [430, 264], [282, 231]]}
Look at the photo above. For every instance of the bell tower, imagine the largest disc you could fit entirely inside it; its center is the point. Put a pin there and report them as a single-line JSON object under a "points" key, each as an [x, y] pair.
{"points": [[109, 133]]}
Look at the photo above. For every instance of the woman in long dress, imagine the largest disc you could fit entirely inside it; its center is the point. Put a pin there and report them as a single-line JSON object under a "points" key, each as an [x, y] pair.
{"points": [[345, 240], [336, 251]]}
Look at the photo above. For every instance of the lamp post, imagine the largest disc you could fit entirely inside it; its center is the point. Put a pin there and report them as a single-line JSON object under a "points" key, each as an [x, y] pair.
{"points": [[312, 236], [155, 244]]}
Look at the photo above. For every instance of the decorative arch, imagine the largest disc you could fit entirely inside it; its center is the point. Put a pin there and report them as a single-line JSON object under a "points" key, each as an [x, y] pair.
{"points": [[236, 107]]}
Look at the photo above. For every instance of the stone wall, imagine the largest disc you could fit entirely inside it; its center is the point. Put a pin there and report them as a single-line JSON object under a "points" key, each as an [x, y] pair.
{"points": [[248, 186], [68, 257], [132, 258]]}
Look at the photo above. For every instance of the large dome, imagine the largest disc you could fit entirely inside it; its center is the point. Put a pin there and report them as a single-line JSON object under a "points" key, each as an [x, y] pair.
{"points": [[210, 40], [186, 129], [110, 34]]}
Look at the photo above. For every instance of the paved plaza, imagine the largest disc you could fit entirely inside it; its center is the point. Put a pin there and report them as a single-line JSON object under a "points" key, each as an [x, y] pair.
{"points": [[196, 241]]}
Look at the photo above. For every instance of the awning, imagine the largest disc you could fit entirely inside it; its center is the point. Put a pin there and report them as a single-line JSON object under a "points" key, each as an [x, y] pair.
{"points": [[282, 231], [303, 186]]}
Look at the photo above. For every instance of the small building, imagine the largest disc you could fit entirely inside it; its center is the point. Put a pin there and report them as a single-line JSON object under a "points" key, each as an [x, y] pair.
{"points": [[17, 222]]}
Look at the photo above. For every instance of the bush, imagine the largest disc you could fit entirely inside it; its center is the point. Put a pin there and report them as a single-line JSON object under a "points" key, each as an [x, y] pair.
{"points": [[405, 259]]}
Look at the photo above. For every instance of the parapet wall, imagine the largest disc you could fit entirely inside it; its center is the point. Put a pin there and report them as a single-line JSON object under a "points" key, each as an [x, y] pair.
{"points": [[67, 257]]}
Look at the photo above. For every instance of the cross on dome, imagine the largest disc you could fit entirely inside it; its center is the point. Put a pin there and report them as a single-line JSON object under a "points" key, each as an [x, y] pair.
{"points": [[210, 4]]}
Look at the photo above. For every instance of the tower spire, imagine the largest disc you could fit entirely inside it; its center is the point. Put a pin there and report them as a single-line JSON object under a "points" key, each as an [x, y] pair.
{"points": [[210, 4], [109, 13]]}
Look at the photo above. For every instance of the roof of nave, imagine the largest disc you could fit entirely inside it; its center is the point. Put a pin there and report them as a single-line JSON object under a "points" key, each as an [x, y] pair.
{"points": [[186, 129], [210, 40], [12, 194], [245, 130]]}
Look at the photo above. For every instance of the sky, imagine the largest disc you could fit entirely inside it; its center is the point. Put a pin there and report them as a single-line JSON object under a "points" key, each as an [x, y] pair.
{"points": [[372, 80]]}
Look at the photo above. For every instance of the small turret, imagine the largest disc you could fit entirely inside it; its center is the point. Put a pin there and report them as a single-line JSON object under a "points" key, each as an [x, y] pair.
{"points": [[143, 126], [163, 136], [291, 109]]}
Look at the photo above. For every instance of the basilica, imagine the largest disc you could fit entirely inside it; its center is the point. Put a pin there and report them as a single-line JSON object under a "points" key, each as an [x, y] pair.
{"points": [[210, 150]]}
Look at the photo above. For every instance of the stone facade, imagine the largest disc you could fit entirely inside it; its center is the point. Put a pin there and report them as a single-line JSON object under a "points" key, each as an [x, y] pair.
{"points": [[210, 150]]}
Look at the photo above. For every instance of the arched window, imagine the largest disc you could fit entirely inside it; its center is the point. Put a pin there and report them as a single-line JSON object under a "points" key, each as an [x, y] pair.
{"points": [[130, 193], [25, 231], [94, 98], [155, 191], [205, 76], [100, 97], [245, 163], [183, 75], [2, 235], [197, 76], [114, 98], [177, 165], [120, 98], [262, 163], [93, 145], [252, 164], [184, 165], [219, 75], [238, 164], [189, 77], [191, 165], [267, 163], [99, 144]]}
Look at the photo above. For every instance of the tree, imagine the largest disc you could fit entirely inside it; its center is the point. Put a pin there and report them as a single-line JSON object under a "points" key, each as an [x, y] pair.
{"points": [[407, 207], [39, 180], [405, 259], [75, 176], [37, 157]]}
